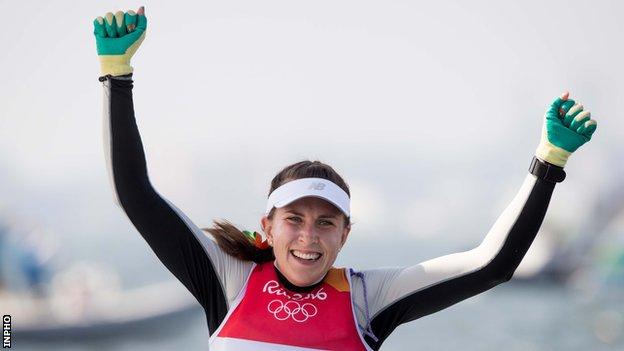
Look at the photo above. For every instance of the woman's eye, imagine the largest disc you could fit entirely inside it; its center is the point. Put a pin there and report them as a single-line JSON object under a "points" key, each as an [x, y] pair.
{"points": [[326, 223], [295, 219]]}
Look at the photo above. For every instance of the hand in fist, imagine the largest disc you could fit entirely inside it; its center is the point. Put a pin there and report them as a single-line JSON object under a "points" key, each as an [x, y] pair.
{"points": [[117, 38], [567, 126]]}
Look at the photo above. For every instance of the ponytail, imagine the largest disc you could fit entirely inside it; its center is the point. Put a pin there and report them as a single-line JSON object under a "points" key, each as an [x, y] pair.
{"points": [[234, 242]]}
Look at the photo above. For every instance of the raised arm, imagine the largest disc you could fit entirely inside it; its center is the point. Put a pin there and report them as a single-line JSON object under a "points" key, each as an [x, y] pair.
{"points": [[213, 277], [400, 295]]}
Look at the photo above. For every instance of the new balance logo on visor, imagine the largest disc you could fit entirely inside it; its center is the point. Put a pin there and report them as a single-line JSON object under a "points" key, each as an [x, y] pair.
{"points": [[317, 186]]}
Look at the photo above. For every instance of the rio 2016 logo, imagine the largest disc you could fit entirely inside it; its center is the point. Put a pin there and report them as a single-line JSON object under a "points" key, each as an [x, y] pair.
{"points": [[273, 287], [298, 307], [292, 309]]}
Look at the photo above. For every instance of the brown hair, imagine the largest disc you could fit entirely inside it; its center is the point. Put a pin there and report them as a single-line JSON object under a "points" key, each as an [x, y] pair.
{"points": [[235, 243]]}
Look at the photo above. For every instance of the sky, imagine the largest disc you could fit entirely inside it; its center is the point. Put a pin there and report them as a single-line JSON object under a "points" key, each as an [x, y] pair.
{"points": [[430, 110]]}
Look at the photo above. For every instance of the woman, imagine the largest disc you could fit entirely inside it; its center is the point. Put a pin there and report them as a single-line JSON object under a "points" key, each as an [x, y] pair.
{"points": [[283, 293]]}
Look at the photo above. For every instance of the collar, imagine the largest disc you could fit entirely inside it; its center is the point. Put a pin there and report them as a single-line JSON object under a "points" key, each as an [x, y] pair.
{"points": [[295, 288]]}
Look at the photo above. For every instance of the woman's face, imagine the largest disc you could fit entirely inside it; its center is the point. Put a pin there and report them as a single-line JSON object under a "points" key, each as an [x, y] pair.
{"points": [[306, 236]]}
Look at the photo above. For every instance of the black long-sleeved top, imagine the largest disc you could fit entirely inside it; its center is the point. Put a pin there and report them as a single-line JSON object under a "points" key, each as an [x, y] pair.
{"points": [[395, 295]]}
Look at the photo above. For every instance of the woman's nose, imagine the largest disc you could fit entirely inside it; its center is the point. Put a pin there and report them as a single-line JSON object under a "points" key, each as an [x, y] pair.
{"points": [[308, 233]]}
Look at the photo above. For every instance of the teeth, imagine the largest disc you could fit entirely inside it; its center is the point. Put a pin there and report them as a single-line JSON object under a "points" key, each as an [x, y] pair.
{"points": [[306, 256]]}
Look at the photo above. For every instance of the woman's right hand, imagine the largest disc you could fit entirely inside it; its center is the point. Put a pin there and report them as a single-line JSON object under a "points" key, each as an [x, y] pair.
{"points": [[117, 37]]}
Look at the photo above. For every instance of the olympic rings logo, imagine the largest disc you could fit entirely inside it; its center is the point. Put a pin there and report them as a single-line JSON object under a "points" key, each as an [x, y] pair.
{"points": [[291, 309]]}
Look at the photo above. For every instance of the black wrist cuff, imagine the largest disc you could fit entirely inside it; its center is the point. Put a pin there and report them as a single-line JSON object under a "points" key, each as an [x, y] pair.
{"points": [[546, 171], [108, 76]]}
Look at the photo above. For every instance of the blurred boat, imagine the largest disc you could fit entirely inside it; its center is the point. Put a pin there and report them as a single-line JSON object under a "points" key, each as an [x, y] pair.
{"points": [[551, 259], [85, 303], [600, 284]]}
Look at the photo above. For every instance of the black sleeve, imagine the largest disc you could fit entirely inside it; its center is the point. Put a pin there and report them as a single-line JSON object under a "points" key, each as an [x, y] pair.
{"points": [[171, 235], [400, 295]]}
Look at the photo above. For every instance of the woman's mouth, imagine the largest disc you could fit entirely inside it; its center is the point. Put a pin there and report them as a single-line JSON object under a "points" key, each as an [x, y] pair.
{"points": [[309, 256]]}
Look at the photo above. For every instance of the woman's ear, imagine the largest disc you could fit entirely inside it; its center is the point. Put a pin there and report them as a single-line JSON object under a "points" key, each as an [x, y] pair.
{"points": [[345, 233], [266, 225]]}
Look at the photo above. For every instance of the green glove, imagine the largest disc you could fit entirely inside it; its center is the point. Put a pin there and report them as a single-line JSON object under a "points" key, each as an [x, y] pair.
{"points": [[117, 38], [566, 127]]}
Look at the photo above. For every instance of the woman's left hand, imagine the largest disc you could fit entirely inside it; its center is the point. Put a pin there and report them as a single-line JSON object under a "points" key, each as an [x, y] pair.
{"points": [[567, 126]]}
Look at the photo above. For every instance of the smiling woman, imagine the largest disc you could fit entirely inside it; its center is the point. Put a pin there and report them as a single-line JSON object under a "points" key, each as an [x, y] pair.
{"points": [[306, 236], [285, 294], [305, 230]]}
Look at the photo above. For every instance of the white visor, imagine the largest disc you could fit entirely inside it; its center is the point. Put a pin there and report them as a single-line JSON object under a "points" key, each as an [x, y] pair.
{"points": [[317, 187]]}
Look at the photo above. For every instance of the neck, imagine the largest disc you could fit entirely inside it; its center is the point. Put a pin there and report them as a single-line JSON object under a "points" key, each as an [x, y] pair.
{"points": [[292, 287]]}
